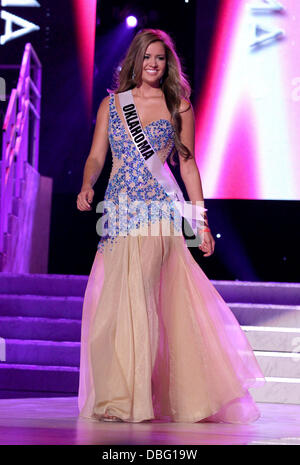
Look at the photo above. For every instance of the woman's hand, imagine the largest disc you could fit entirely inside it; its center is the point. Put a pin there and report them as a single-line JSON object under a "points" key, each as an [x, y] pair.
{"points": [[84, 198], [207, 243]]}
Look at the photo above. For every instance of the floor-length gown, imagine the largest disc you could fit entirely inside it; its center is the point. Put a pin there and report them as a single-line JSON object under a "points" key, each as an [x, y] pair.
{"points": [[157, 340]]}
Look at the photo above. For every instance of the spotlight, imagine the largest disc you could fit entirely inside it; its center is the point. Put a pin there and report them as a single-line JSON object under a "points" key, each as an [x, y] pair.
{"points": [[131, 21]]}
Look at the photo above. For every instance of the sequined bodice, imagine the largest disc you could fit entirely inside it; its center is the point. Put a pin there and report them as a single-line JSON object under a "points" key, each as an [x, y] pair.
{"points": [[129, 174], [129, 171]]}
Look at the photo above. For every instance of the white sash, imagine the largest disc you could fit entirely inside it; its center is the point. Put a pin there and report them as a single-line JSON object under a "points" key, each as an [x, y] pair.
{"points": [[160, 171]]}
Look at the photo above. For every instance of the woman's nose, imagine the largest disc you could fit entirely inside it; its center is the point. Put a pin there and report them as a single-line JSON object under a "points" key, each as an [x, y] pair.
{"points": [[153, 62]]}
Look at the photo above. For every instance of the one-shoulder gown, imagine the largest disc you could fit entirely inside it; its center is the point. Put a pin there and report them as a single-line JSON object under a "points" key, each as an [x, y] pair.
{"points": [[158, 342]]}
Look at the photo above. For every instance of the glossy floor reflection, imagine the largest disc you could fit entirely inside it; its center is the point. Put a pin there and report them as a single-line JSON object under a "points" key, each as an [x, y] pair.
{"points": [[55, 421]]}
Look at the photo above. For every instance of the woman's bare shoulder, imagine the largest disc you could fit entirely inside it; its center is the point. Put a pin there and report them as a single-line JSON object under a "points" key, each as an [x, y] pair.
{"points": [[104, 104]]}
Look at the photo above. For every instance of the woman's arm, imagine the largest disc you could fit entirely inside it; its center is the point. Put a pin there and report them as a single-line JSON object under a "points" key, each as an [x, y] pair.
{"points": [[189, 170], [96, 158]]}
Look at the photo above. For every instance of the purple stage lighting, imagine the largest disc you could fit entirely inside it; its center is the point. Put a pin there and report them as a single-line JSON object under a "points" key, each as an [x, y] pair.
{"points": [[131, 21]]}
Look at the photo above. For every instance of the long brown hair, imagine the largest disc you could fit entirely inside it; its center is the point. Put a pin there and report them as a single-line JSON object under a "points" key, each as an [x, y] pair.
{"points": [[174, 84]]}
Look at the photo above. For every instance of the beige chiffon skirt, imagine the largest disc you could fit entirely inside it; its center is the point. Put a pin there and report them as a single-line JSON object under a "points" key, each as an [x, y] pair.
{"points": [[159, 342]]}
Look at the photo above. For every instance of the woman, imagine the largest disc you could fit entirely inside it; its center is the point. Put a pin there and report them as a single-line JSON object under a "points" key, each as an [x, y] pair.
{"points": [[158, 341]]}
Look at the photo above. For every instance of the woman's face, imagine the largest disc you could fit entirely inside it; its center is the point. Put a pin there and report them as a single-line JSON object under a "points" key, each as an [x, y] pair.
{"points": [[154, 63]]}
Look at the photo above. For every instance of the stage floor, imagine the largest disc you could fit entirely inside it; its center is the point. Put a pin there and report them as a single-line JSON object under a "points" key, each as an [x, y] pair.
{"points": [[54, 421]]}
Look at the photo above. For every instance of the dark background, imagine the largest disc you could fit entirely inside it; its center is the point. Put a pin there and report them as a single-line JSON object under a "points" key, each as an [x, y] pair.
{"points": [[258, 238]]}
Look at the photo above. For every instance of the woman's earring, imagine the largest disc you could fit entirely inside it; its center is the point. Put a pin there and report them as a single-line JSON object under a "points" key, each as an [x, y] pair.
{"points": [[133, 75]]}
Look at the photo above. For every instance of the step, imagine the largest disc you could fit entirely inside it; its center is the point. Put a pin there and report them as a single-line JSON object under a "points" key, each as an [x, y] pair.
{"points": [[43, 284], [39, 378], [74, 285], [272, 338], [41, 306], [266, 314], [279, 364], [36, 352], [259, 292], [59, 329], [278, 390], [17, 394]]}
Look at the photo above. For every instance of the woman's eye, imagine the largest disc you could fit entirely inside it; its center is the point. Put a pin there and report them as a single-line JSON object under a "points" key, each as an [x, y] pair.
{"points": [[147, 56]]}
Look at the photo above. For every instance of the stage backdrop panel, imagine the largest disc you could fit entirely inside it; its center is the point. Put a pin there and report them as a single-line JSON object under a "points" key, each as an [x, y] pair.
{"points": [[248, 113]]}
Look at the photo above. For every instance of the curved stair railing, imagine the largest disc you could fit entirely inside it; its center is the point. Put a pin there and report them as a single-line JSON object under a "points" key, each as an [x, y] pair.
{"points": [[20, 143]]}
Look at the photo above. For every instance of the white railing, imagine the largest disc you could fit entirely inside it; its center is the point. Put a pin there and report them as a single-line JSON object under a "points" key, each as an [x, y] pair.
{"points": [[20, 137]]}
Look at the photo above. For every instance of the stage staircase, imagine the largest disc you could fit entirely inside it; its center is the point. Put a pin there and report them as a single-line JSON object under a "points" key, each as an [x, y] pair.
{"points": [[40, 323]]}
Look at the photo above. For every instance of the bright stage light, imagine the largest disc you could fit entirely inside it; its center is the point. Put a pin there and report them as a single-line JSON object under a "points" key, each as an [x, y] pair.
{"points": [[131, 21]]}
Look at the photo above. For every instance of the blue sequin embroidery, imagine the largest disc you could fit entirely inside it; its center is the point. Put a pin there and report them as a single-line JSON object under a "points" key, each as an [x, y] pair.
{"points": [[131, 180]]}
